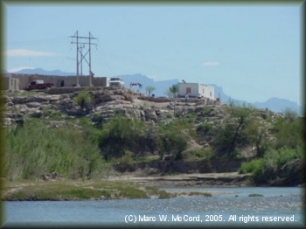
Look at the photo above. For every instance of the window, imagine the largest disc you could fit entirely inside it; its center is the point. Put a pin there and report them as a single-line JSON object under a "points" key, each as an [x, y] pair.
{"points": [[188, 90], [210, 94]]}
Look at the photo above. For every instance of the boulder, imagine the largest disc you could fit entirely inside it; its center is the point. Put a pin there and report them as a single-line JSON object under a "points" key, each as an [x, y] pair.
{"points": [[33, 105], [170, 107], [150, 115], [55, 98], [19, 99], [19, 121], [76, 112], [37, 114], [9, 115], [7, 122], [65, 105], [105, 98], [190, 109], [37, 99]]}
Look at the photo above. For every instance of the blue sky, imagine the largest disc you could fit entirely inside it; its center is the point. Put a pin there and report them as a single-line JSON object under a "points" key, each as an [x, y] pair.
{"points": [[252, 51]]}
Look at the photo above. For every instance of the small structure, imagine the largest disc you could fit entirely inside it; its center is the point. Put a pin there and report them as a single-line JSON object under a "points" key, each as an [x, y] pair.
{"points": [[11, 83], [118, 82], [194, 90]]}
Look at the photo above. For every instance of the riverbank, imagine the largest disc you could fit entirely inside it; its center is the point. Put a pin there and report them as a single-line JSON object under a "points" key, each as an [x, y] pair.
{"points": [[62, 190], [233, 179], [126, 186]]}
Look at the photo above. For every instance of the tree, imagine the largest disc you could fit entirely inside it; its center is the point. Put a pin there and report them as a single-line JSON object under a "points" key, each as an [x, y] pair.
{"points": [[232, 134], [150, 89], [173, 90], [290, 114]]}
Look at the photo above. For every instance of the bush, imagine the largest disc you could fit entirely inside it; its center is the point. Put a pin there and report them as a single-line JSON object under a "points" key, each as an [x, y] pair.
{"points": [[288, 133], [290, 114], [36, 149], [267, 168], [173, 144], [120, 134], [126, 162], [84, 99], [224, 138], [204, 128], [253, 166]]}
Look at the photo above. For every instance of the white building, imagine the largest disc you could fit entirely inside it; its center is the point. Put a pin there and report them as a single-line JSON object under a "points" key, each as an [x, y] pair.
{"points": [[195, 90]]}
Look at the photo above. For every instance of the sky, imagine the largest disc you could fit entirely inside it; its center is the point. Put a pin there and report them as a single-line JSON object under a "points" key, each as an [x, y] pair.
{"points": [[253, 51]]}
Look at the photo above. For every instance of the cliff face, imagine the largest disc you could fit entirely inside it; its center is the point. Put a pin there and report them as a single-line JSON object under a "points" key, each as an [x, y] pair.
{"points": [[105, 103]]}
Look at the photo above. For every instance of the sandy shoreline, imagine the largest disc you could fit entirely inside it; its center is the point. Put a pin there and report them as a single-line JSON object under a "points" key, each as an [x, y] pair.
{"points": [[193, 180]]}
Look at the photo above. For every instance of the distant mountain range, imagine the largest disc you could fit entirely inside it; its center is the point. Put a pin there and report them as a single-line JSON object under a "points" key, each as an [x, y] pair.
{"points": [[41, 71], [161, 86]]}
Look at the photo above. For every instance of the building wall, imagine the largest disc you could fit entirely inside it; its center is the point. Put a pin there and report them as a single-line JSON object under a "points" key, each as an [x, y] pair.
{"points": [[101, 81], [207, 91], [196, 89], [11, 83], [58, 81], [183, 89]]}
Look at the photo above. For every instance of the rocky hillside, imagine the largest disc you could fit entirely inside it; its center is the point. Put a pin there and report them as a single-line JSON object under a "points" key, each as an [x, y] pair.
{"points": [[108, 101], [170, 135]]}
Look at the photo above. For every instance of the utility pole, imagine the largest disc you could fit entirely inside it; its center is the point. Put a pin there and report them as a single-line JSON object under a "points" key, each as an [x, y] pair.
{"points": [[79, 50], [77, 56], [90, 72], [82, 57]]}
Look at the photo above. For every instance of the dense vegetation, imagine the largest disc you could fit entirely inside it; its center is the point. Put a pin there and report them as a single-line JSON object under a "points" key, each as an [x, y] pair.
{"points": [[39, 147], [77, 149], [288, 145]]}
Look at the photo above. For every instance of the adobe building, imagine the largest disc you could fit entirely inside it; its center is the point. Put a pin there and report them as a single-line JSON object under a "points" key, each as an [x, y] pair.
{"points": [[196, 89]]}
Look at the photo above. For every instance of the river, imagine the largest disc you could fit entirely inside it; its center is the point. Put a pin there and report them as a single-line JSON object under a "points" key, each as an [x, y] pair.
{"points": [[227, 206]]}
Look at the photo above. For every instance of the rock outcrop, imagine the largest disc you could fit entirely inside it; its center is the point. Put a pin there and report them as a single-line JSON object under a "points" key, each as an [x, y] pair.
{"points": [[108, 102]]}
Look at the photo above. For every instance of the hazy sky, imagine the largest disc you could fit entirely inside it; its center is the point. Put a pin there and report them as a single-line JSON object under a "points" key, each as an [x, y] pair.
{"points": [[253, 51]]}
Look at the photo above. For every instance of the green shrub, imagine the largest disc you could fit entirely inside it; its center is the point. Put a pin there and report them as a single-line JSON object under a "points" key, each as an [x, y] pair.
{"points": [[267, 168], [172, 143], [204, 128], [199, 152], [288, 133], [126, 162], [253, 166], [83, 99], [206, 110], [37, 148], [120, 134], [224, 138]]}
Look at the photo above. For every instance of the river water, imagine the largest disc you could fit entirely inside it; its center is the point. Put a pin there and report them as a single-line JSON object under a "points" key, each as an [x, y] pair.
{"points": [[227, 206]]}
